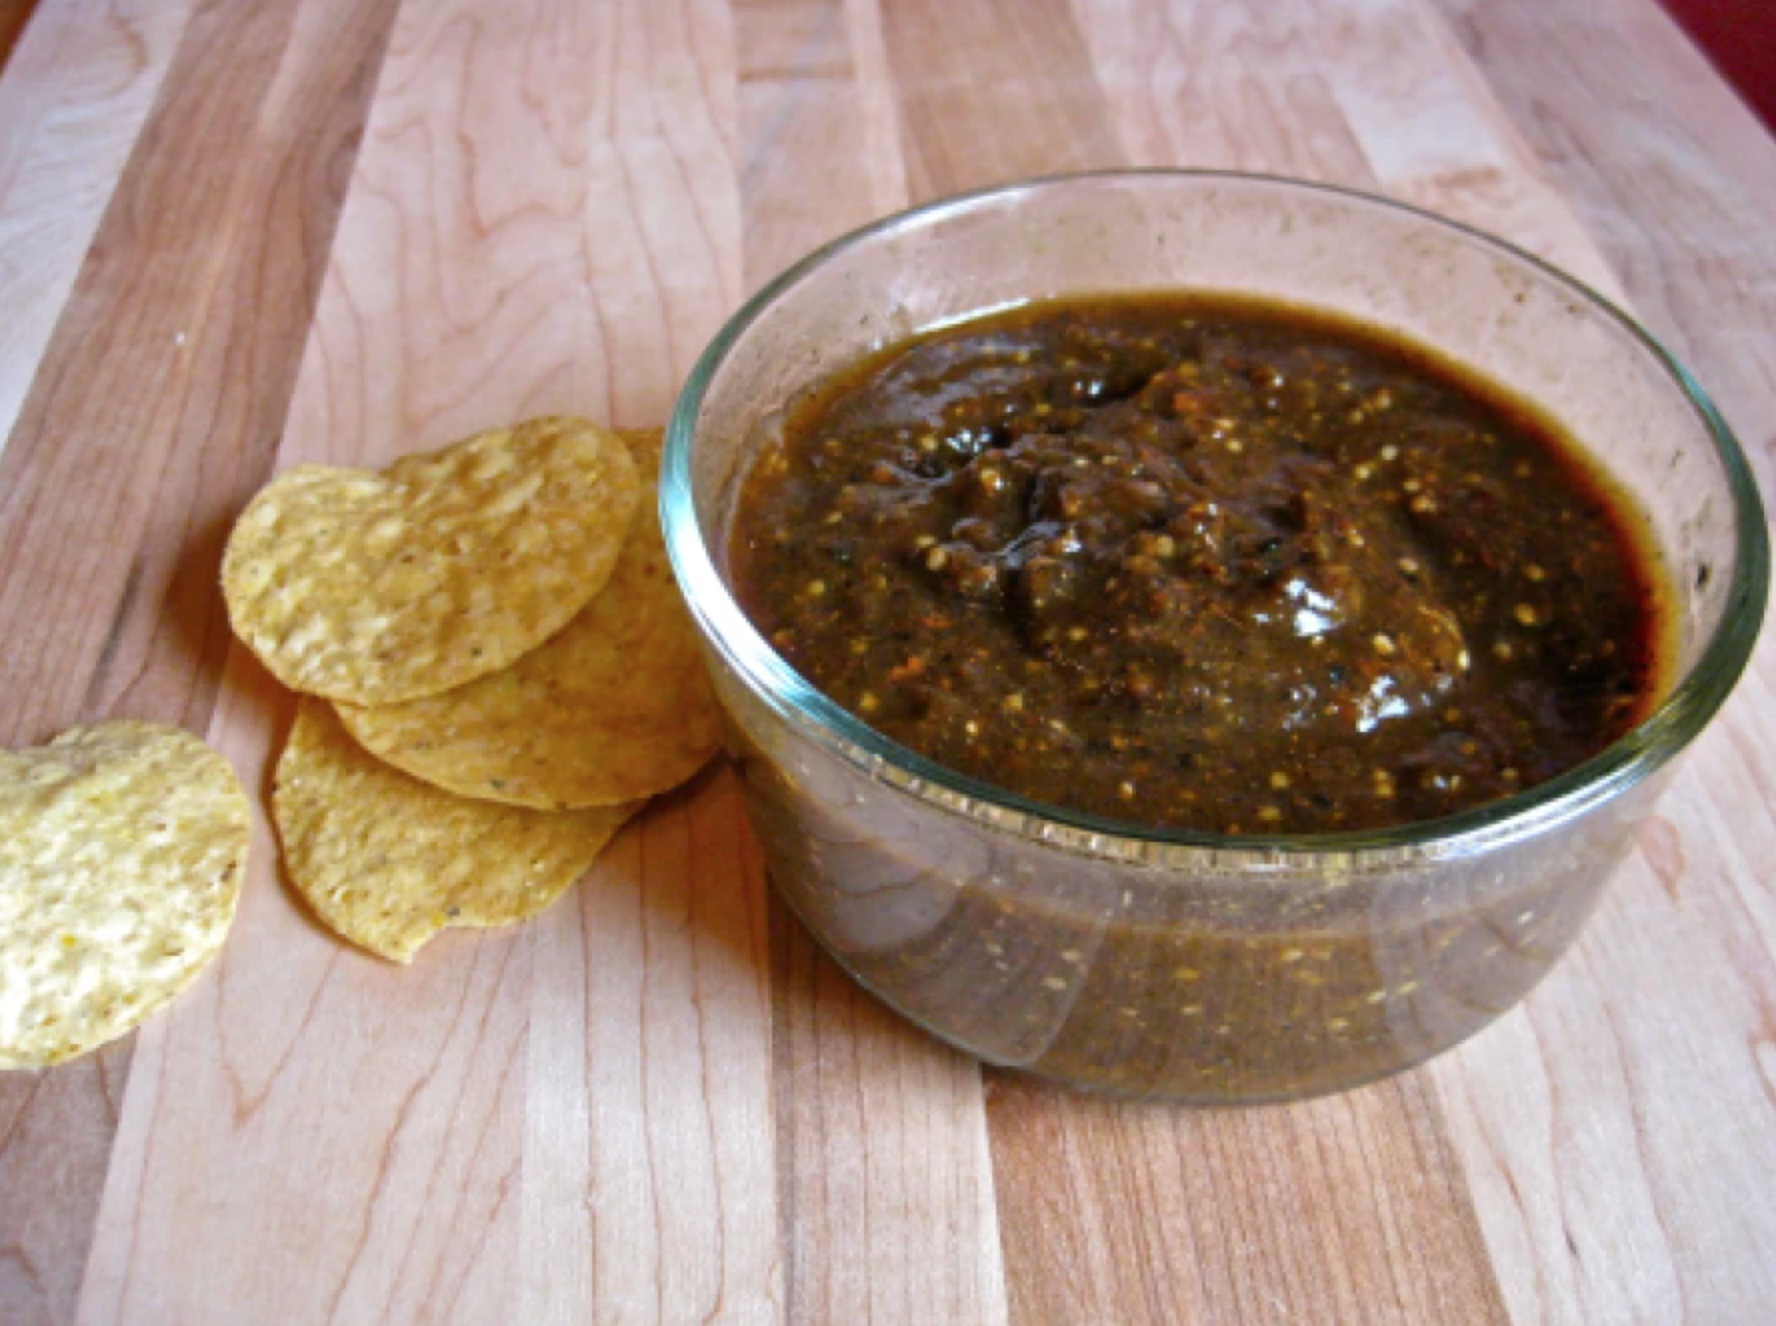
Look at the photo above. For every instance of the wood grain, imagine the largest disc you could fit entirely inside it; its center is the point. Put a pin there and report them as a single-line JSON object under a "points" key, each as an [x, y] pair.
{"points": [[14, 14], [76, 94], [172, 364], [886, 1208], [1341, 1210], [993, 91], [660, 1102], [56, 1131], [1630, 1117], [114, 542], [1223, 87], [623, 1169]]}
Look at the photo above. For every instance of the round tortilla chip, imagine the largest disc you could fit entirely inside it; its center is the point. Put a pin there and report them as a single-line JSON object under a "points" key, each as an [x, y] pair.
{"points": [[387, 861], [122, 847], [378, 588], [617, 706]]}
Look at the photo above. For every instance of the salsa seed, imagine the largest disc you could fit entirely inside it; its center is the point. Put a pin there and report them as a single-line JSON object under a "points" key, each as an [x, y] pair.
{"points": [[1421, 505], [1525, 614], [1187, 974], [1279, 780], [1409, 566], [1502, 650], [1533, 572], [1126, 790], [1376, 996], [1362, 472], [1390, 452], [1383, 645], [815, 588], [937, 558], [1014, 702], [1269, 814], [867, 703], [1054, 983]]}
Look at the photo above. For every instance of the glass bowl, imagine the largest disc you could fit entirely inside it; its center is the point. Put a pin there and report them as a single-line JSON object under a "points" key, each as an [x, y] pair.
{"points": [[1199, 966]]}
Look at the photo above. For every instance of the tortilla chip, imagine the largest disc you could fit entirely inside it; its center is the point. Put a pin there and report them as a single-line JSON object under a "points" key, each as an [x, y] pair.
{"points": [[122, 847], [380, 588], [617, 706], [387, 861]]}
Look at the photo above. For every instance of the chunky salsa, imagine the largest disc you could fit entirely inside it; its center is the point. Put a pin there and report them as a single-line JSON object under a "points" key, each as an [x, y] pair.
{"points": [[1203, 563]]}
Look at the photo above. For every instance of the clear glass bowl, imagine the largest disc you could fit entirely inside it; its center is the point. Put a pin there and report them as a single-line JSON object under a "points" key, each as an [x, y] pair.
{"points": [[1193, 965]]}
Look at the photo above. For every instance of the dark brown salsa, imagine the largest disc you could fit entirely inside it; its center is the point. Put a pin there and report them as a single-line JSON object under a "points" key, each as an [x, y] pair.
{"points": [[1201, 563]]}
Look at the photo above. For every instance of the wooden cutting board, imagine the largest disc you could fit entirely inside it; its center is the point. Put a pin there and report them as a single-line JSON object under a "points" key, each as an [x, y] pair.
{"points": [[236, 237]]}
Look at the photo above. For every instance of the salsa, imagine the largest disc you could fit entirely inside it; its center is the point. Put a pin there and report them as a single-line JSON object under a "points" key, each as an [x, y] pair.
{"points": [[1202, 563]]}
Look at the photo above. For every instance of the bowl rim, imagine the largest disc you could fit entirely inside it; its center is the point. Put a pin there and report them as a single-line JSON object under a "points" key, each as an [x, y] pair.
{"points": [[1633, 757]]}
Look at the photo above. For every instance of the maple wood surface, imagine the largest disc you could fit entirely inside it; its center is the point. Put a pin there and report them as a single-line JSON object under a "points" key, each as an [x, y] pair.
{"points": [[234, 237]]}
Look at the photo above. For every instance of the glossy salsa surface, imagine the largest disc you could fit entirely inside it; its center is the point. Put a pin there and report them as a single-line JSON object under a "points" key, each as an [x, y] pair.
{"points": [[1202, 563]]}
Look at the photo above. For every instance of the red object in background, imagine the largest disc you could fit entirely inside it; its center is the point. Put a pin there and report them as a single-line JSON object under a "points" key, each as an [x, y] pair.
{"points": [[1740, 37]]}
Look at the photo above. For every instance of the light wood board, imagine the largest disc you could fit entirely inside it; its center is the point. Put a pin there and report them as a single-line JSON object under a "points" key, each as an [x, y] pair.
{"points": [[242, 236]]}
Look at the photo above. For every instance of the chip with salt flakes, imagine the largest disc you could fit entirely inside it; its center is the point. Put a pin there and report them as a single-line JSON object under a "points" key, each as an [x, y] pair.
{"points": [[388, 861], [378, 588], [122, 847]]}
